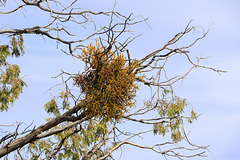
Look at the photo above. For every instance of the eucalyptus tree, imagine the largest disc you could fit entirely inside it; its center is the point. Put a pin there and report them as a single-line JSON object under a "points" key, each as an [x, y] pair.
{"points": [[87, 115]]}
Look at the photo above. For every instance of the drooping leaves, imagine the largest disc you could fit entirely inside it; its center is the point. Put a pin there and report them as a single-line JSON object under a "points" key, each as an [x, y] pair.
{"points": [[51, 107], [172, 109], [11, 85], [75, 142]]}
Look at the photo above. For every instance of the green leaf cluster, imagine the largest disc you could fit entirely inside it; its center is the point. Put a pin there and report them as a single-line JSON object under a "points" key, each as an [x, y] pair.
{"points": [[64, 95], [77, 141], [176, 107], [15, 48], [41, 146], [93, 131], [173, 110], [160, 129], [193, 117], [52, 107], [11, 85], [4, 53]]}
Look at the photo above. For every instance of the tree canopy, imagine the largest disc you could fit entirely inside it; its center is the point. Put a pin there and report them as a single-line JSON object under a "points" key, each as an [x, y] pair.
{"points": [[86, 116]]}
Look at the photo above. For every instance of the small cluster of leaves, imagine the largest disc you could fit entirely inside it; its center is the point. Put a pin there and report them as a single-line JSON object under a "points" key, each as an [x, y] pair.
{"points": [[15, 48], [193, 117], [52, 107], [40, 146], [11, 85], [81, 142], [173, 110], [75, 145], [107, 83]]}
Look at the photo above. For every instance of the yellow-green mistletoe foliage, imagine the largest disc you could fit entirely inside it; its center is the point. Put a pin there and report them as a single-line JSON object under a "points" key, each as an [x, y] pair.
{"points": [[108, 82]]}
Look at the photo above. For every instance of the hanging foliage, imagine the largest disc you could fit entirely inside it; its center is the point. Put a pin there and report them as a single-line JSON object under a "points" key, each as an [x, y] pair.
{"points": [[11, 85]]}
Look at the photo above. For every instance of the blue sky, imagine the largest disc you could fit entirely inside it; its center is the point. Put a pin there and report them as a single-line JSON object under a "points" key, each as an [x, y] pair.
{"points": [[217, 97]]}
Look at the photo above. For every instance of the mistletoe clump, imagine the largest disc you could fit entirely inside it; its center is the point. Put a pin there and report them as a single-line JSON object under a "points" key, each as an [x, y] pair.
{"points": [[108, 83]]}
